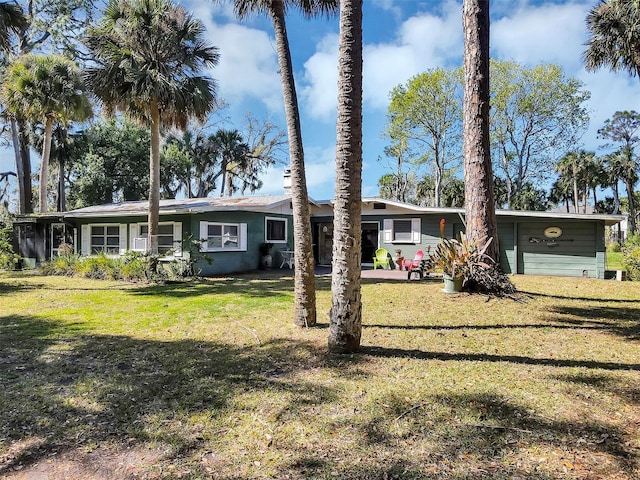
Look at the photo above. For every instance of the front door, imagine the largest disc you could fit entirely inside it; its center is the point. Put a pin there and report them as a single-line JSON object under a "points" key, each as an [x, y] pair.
{"points": [[62, 234], [325, 243], [370, 235]]}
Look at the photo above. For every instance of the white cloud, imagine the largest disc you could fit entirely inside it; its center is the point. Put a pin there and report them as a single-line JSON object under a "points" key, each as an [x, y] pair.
{"points": [[319, 92], [248, 67], [549, 33], [320, 173], [556, 33], [423, 41]]}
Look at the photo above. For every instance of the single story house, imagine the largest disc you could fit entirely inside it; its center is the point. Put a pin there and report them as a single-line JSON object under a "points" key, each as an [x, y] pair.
{"points": [[231, 230]]}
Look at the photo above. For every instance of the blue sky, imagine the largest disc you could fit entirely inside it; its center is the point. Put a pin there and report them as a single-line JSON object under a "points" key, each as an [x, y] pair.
{"points": [[402, 38]]}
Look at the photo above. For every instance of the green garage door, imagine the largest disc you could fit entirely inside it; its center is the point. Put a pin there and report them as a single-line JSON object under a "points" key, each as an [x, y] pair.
{"points": [[571, 254]]}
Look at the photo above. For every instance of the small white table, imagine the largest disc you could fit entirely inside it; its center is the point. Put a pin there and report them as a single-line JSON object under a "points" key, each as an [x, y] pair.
{"points": [[287, 258]]}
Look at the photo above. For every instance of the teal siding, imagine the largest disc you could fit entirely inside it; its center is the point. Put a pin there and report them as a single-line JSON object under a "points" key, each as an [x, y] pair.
{"points": [[429, 232], [523, 247], [182, 219], [230, 262], [222, 262], [506, 237], [574, 254], [505, 242]]}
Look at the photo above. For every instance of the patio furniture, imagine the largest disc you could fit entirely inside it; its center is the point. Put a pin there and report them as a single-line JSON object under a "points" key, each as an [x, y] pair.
{"points": [[381, 258], [411, 264], [422, 269], [287, 258]]}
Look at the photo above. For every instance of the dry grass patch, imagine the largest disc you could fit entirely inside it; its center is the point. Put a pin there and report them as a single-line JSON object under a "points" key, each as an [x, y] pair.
{"points": [[212, 380]]}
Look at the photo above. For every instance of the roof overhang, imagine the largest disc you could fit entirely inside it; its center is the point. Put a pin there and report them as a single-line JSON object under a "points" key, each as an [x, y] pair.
{"points": [[609, 219]]}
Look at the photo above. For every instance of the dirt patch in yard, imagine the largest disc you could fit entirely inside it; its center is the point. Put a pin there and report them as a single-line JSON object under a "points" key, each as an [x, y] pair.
{"points": [[99, 464]]}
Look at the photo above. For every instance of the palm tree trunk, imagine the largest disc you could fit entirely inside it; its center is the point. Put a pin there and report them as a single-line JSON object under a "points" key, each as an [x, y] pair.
{"points": [[345, 328], [224, 176], [22, 193], [304, 281], [44, 165], [616, 197], [154, 179], [576, 195], [62, 198], [478, 174], [633, 228]]}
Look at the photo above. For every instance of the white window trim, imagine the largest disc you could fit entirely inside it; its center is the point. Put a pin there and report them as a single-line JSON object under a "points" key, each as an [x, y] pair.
{"points": [[286, 229], [122, 238], [416, 231], [134, 229], [242, 237]]}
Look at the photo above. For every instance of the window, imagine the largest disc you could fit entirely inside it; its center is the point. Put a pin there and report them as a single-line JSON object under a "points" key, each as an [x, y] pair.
{"points": [[105, 239], [169, 238], [402, 230], [165, 236], [217, 237], [108, 238], [275, 230]]}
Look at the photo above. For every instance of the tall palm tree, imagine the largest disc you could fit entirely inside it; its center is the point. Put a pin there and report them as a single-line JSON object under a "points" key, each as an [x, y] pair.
{"points": [[233, 152], [47, 89], [149, 54], [478, 173], [345, 328], [561, 191], [304, 288], [614, 36], [569, 168], [624, 129], [12, 20]]}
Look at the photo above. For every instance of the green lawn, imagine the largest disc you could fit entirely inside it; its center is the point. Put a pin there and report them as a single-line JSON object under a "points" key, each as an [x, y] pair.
{"points": [[213, 380]]}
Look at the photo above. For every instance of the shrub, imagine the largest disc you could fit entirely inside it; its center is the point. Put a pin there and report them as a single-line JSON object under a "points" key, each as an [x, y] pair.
{"points": [[8, 258], [63, 265], [135, 267], [99, 267], [631, 257]]}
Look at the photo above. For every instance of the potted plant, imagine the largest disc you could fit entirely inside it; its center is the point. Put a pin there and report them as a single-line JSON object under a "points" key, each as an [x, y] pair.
{"points": [[266, 260], [457, 259]]}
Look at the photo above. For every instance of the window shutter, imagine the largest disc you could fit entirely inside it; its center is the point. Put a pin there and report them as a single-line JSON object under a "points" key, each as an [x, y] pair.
{"points": [[204, 233], [123, 238], [243, 237], [416, 234], [177, 238], [388, 230], [85, 233]]}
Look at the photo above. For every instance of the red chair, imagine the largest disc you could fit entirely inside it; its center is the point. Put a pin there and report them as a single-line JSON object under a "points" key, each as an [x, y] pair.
{"points": [[415, 263]]}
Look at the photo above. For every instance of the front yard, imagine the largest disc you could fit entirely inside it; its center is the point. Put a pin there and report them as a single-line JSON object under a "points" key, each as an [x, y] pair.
{"points": [[212, 380]]}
